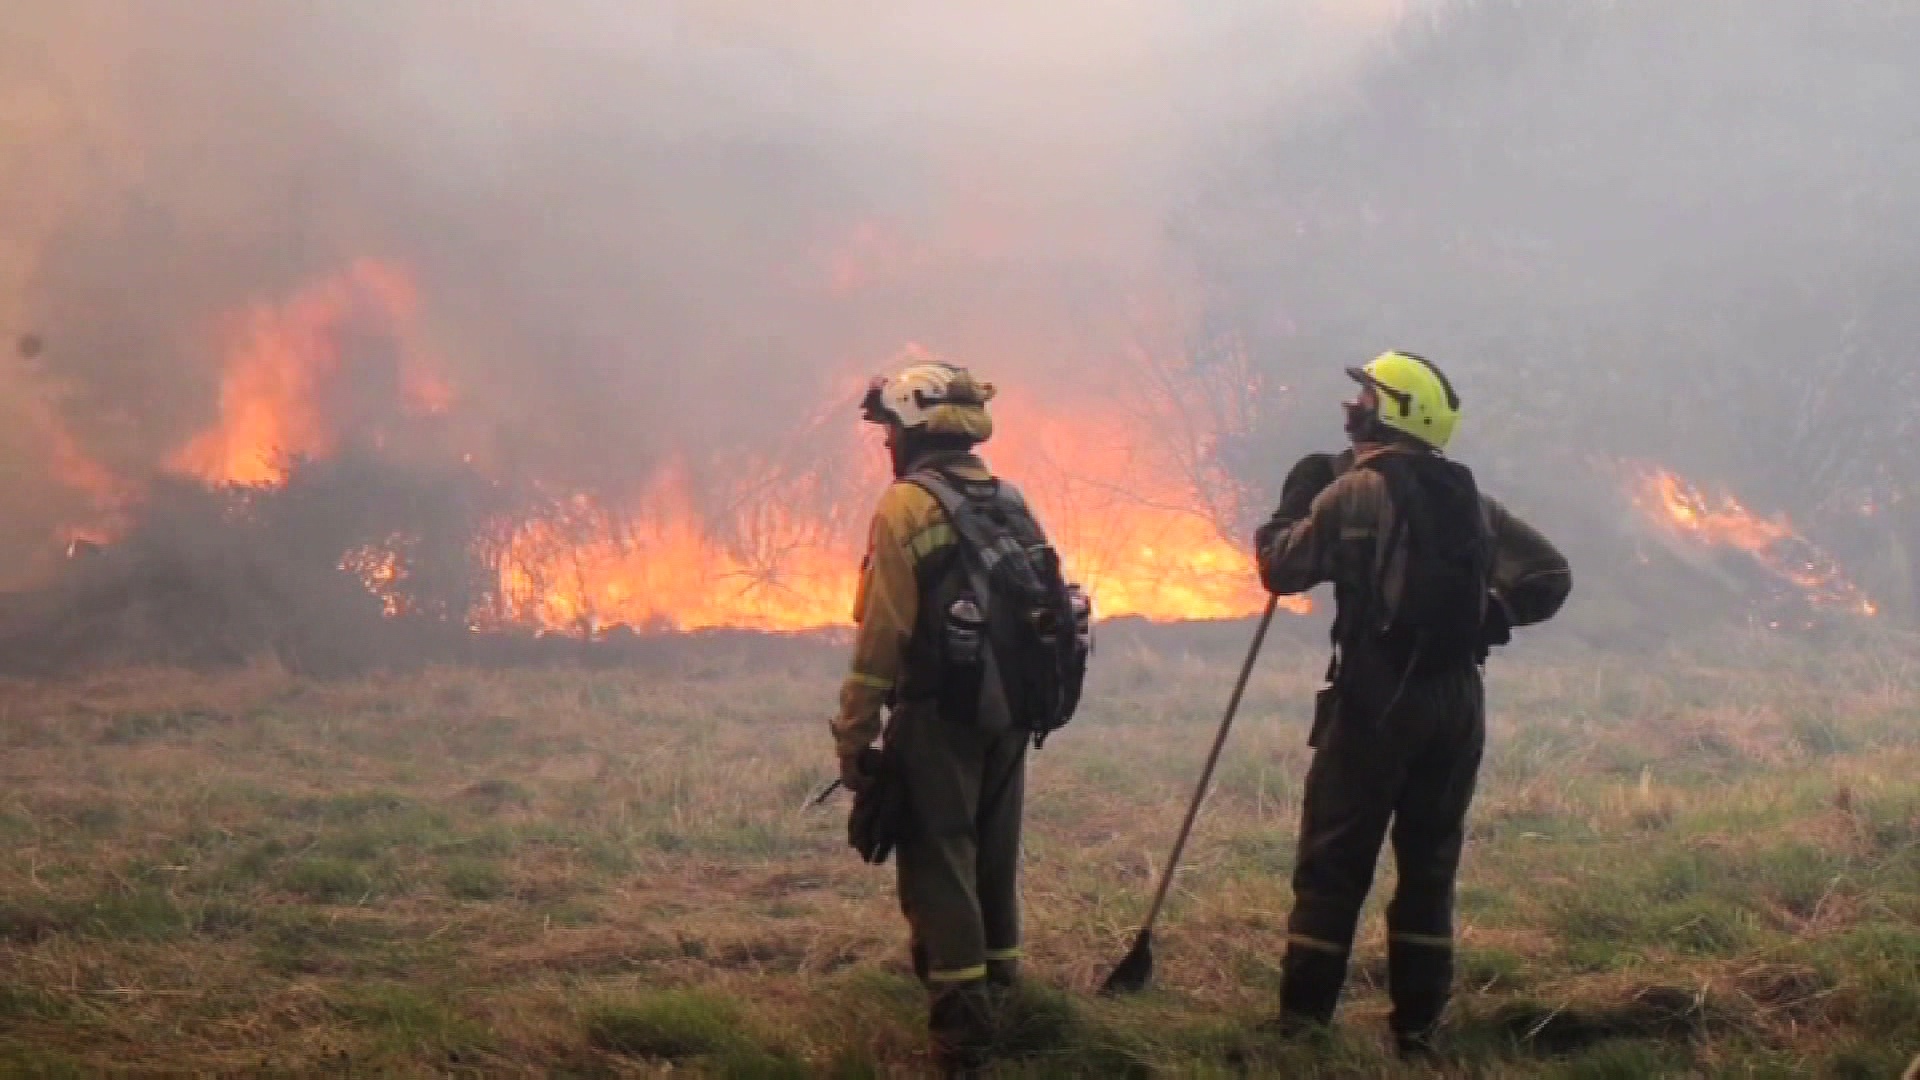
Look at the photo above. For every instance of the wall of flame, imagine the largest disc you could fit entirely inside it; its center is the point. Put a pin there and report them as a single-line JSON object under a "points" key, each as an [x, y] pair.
{"points": [[1118, 479], [1123, 475]]}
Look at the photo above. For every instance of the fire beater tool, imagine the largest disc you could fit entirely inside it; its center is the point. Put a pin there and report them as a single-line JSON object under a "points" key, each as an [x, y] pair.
{"points": [[1136, 971], [826, 792]]}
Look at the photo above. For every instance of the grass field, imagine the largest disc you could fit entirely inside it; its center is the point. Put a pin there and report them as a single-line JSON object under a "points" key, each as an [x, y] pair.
{"points": [[1693, 864]]}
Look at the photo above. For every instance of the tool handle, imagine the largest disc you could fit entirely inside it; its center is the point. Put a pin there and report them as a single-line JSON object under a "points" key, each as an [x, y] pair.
{"points": [[1213, 758]]}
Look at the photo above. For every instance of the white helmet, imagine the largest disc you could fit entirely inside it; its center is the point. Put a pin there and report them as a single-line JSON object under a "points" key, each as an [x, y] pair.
{"points": [[938, 398]]}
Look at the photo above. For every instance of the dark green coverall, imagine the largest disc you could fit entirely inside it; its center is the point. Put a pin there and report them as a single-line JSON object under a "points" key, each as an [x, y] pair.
{"points": [[958, 873], [1399, 756]]}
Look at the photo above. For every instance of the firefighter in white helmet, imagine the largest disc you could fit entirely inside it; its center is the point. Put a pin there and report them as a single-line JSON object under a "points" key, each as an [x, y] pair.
{"points": [[958, 780]]}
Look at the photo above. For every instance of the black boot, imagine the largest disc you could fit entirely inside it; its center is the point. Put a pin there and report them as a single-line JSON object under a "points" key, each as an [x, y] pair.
{"points": [[917, 956], [1004, 974], [1417, 1046], [1288, 1026], [1310, 985], [1419, 980], [960, 1027]]}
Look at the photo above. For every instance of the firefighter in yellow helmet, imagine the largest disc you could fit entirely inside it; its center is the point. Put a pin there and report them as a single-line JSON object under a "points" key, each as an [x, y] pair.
{"points": [[960, 770], [1428, 574]]}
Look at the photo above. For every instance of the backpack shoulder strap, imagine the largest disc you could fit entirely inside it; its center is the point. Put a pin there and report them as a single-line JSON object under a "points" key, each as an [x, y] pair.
{"points": [[966, 526], [936, 484], [977, 545], [982, 544], [1378, 611]]}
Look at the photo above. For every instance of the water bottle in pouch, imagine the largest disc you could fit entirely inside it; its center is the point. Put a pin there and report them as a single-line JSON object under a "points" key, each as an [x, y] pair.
{"points": [[965, 661], [1082, 616], [965, 627]]}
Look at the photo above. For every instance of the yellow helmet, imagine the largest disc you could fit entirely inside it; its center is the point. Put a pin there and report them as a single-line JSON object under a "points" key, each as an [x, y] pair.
{"points": [[1414, 396], [938, 398]]}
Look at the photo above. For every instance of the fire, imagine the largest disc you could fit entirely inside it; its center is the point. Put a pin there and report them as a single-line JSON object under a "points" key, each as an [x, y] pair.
{"points": [[1139, 539], [1686, 511], [281, 392], [665, 565], [381, 569], [1121, 501], [1137, 517], [1127, 520]]}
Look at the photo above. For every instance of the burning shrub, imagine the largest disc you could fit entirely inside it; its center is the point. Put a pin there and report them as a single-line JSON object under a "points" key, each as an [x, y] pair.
{"points": [[213, 577]]}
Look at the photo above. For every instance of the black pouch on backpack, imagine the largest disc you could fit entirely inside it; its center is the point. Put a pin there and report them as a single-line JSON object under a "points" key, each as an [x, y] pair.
{"points": [[1326, 709], [1015, 620], [1441, 618], [964, 658]]}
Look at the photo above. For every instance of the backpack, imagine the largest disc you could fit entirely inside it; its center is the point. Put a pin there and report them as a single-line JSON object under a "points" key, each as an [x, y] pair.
{"points": [[1014, 627], [1439, 621]]}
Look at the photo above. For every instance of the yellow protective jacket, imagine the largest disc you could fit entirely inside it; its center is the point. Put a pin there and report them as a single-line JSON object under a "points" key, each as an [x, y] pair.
{"points": [[1334, 542], [909, 527]]}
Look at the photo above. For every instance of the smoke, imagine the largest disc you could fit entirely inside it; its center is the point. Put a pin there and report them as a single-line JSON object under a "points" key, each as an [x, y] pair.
{"points": [[635, 235], [637, 230], [1629, 230]]}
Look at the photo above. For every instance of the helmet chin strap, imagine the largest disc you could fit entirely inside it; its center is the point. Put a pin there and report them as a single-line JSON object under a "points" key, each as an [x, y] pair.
{"points": [[909, 445], [899, 446], [1363, 425]]}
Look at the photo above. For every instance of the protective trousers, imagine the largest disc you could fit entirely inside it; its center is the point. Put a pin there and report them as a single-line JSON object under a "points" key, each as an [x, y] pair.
{"points": [[959, 874], [1400, 753]]}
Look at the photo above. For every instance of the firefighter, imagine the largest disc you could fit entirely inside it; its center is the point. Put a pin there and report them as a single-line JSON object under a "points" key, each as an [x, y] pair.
{"points": [[1428, 574], [958, 865]]}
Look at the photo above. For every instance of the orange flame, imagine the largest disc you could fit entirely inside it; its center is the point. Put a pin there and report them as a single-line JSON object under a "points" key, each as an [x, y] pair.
{"points": [[1129, 526], [278, 383], [1127, 513], [1689, 513], [382, 570], [668, 566], [1128, 520]]}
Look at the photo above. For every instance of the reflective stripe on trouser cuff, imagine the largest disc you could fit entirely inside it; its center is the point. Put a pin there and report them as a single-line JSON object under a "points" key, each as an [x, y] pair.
{"points": [[1431, 941], [1316, 944], [958, 975], [1003, 954], [873, 682]]}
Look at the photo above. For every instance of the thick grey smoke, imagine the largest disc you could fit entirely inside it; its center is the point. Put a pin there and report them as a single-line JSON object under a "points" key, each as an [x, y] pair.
{"points": [[1631, 229], [635, 228]]}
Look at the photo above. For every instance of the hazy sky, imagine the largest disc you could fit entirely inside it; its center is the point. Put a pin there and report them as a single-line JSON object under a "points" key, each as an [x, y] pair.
{"points": [[1630, 228], [634, 227]]}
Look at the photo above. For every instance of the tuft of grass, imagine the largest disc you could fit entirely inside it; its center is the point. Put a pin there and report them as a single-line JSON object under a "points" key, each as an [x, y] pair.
{"points": [[43, 1063], [26, 1003], [140, 915], [409, 1021], [495, 795], [1653, 1014], [326, 880], [1626, 1060], [1860, 1059], [1485, 970], [473, 879], [136, 727], [669, 1025], [26, 922], [223, 918], [100, 820], [351, 806], [573, 915], [308, 942]]}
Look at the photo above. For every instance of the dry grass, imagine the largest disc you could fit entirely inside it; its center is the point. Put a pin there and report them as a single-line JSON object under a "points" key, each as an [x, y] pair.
{"points": [[1700, 864]]}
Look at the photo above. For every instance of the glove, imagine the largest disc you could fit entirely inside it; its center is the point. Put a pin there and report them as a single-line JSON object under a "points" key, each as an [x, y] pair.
{"points": [[853, 775], [1497, 627], [881, 815], [1309, 476]]}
